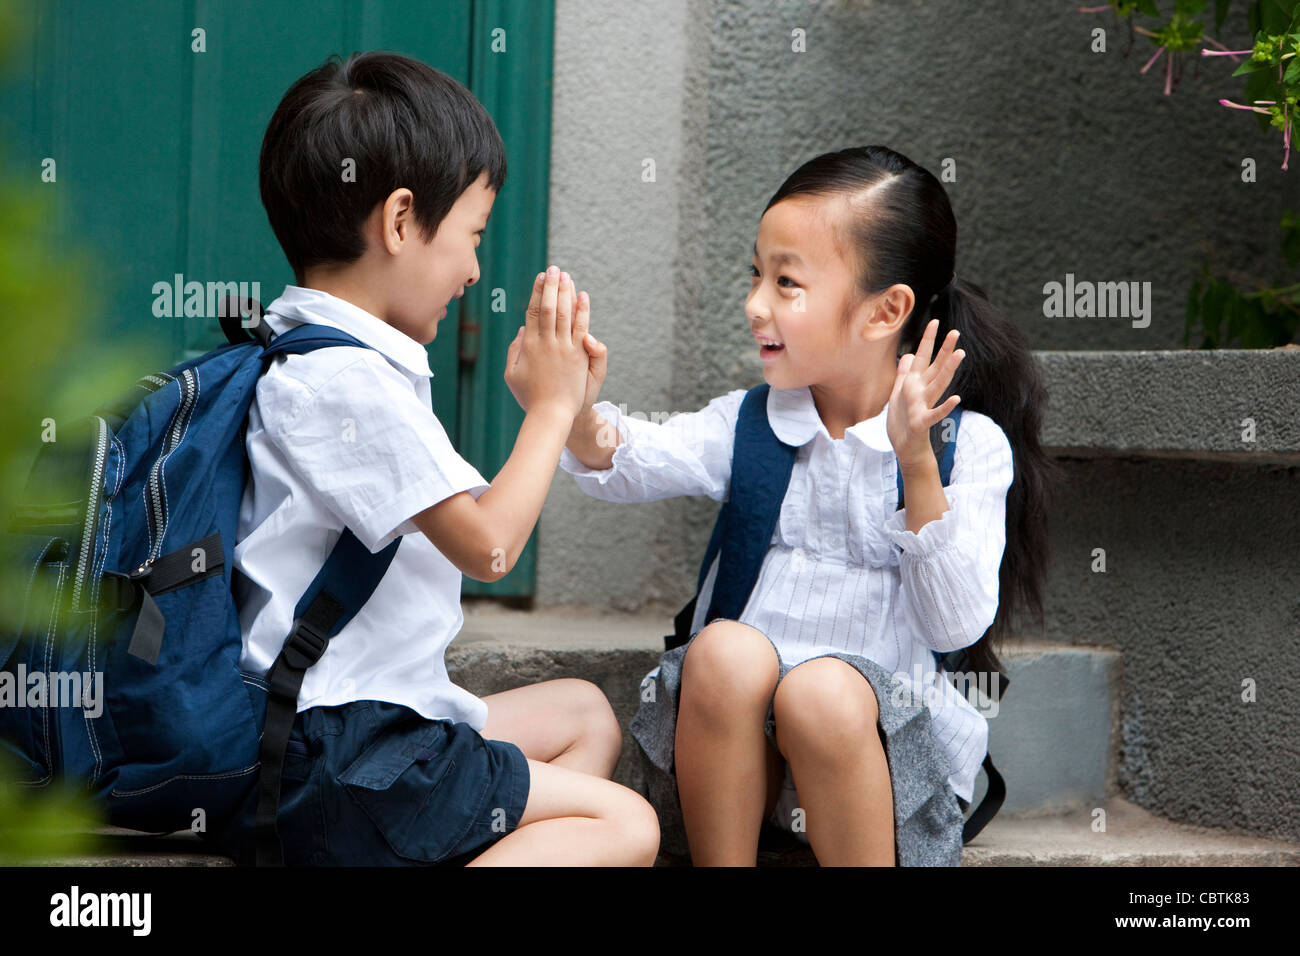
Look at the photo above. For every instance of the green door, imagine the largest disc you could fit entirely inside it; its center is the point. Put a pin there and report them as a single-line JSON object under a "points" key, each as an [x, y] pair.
{"points": [[145, 120]]}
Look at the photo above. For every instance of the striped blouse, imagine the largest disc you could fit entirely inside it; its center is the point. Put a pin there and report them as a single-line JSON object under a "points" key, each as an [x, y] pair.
{"points": [[843, 573]]}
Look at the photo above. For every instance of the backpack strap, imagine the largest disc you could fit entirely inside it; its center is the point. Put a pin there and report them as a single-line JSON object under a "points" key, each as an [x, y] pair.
{"points": [[343, 585], [945, 457], [760, 472], [307, 338], [340, 589]]}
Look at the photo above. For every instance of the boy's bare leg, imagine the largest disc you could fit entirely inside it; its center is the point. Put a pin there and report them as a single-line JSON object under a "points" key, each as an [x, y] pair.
{"points": [[565, 722], [577, 819], [827, 726], [723, 761]]}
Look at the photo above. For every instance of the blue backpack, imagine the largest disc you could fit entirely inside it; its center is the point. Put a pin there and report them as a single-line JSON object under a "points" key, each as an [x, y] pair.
{"points": [[137, 598], [761, 465]]}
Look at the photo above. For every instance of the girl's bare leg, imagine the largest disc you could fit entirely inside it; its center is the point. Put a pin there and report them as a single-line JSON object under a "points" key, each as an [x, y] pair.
{"points": [[566, 723], [827, 727], [722, 756], [577, 819]]}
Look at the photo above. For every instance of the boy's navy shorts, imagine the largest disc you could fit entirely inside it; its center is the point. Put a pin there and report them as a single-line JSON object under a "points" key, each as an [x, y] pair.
{"points": [[372, 783]]}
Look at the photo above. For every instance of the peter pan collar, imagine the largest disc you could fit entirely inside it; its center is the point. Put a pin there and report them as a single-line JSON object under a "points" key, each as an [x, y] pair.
{"points": [[299, 305], [793, 416]]}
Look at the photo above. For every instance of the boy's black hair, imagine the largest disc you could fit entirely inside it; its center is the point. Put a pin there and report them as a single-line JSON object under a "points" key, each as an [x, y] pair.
{"points": [[400, 121], [900, 228]]}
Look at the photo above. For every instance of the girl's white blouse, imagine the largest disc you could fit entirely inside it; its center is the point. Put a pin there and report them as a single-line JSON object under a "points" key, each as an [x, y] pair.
{"points": [[843, 573]]}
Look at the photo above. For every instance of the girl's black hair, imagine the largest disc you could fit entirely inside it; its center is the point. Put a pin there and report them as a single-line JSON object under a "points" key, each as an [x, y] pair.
{"points": [[400, 121], [902, 230]]}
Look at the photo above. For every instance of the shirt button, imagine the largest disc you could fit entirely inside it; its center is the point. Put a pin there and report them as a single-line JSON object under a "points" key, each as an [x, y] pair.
{"points": [[798, 560]]}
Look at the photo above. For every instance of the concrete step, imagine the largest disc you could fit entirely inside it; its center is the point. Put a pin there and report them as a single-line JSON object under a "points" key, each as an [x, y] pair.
{"points": [[1132, 837], [1053, 738]]}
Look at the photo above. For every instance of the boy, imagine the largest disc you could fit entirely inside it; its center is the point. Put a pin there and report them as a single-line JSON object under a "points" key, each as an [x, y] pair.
{"points": [[390, 762]]}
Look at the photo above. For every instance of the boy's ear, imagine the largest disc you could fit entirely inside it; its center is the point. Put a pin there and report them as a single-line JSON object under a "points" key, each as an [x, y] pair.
{"points": [[396, 220]]}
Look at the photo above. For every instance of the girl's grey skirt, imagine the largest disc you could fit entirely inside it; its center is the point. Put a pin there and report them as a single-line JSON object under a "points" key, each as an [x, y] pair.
{"points": [[927, 818]]}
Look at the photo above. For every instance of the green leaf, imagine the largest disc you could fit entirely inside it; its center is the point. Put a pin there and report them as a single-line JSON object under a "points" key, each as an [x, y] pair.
{"points": [[1220, 13], [1193, 310], [1291, 238], [1189, 8], [1251, 66], [1274, 15], [1256, 331], [1148, 7]]}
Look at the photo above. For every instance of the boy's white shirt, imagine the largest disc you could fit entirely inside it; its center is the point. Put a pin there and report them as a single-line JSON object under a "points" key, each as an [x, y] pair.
{"points": [[843, 573], [346, 437]]}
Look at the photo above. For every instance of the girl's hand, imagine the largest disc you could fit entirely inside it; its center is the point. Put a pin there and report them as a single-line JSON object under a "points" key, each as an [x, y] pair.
{"points": [[547, 362], [917, 385], [597, 353]]}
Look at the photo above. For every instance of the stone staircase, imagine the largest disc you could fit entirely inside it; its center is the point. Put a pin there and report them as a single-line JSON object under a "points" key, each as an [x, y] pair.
{"points": [[1054, 739]]}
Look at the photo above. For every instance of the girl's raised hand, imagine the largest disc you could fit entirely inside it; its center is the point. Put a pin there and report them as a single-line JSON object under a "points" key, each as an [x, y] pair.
{"points": [[918, 384]]}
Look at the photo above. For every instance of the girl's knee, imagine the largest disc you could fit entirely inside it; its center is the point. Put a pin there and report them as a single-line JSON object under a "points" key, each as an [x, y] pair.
{"points": [[824, 705], [729, 662]]}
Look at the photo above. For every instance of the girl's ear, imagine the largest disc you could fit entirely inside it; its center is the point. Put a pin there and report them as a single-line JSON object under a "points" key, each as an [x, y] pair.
{"points": [[883, 315]]}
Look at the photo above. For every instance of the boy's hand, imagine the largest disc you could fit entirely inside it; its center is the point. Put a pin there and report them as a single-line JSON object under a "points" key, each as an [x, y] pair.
{"points": [[548, 361], [596, 350]]}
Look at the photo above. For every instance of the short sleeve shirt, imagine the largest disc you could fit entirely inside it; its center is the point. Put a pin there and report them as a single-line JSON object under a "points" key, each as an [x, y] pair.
{"points": [[340, 437]]}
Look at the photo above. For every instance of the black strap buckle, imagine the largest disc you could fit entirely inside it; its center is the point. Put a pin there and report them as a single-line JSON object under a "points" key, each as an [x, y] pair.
{"points": [[119, 593], [304, 646]]}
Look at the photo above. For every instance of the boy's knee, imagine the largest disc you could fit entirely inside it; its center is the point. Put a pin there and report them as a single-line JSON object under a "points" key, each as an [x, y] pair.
{"points": [[596, 714], [640, 826]]}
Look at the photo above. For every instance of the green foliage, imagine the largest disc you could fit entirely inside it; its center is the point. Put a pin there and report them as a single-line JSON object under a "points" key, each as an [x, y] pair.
{"points": [[38, 825], [1230, 318], [1218, 311], [50, 375]]}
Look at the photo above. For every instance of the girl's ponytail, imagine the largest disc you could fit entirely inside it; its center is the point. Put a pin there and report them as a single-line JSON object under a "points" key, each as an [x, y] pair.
{"points": [[902, 226], [999, 378]]}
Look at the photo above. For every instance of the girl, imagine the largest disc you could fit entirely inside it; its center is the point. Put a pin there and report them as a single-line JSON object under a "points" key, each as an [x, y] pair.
{"points": [[853, 597]]}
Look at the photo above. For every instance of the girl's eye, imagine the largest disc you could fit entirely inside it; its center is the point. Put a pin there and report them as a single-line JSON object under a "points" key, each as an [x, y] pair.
{"points": [[753, 274]]}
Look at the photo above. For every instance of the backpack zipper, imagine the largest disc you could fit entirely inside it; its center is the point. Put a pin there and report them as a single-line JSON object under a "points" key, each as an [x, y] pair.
{"points": [[188, 383], [92, 507]]}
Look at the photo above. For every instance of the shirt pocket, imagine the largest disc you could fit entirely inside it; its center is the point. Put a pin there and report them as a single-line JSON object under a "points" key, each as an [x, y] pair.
{"points": [[400, 782]]}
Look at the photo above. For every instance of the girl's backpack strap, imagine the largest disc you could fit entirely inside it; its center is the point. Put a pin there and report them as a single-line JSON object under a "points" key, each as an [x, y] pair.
{"points": [[760, 472], [945, 457]]}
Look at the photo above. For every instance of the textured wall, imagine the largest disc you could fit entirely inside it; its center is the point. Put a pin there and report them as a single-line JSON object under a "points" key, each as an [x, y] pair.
{"points": [[1201, 592], [1067, 161]]}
